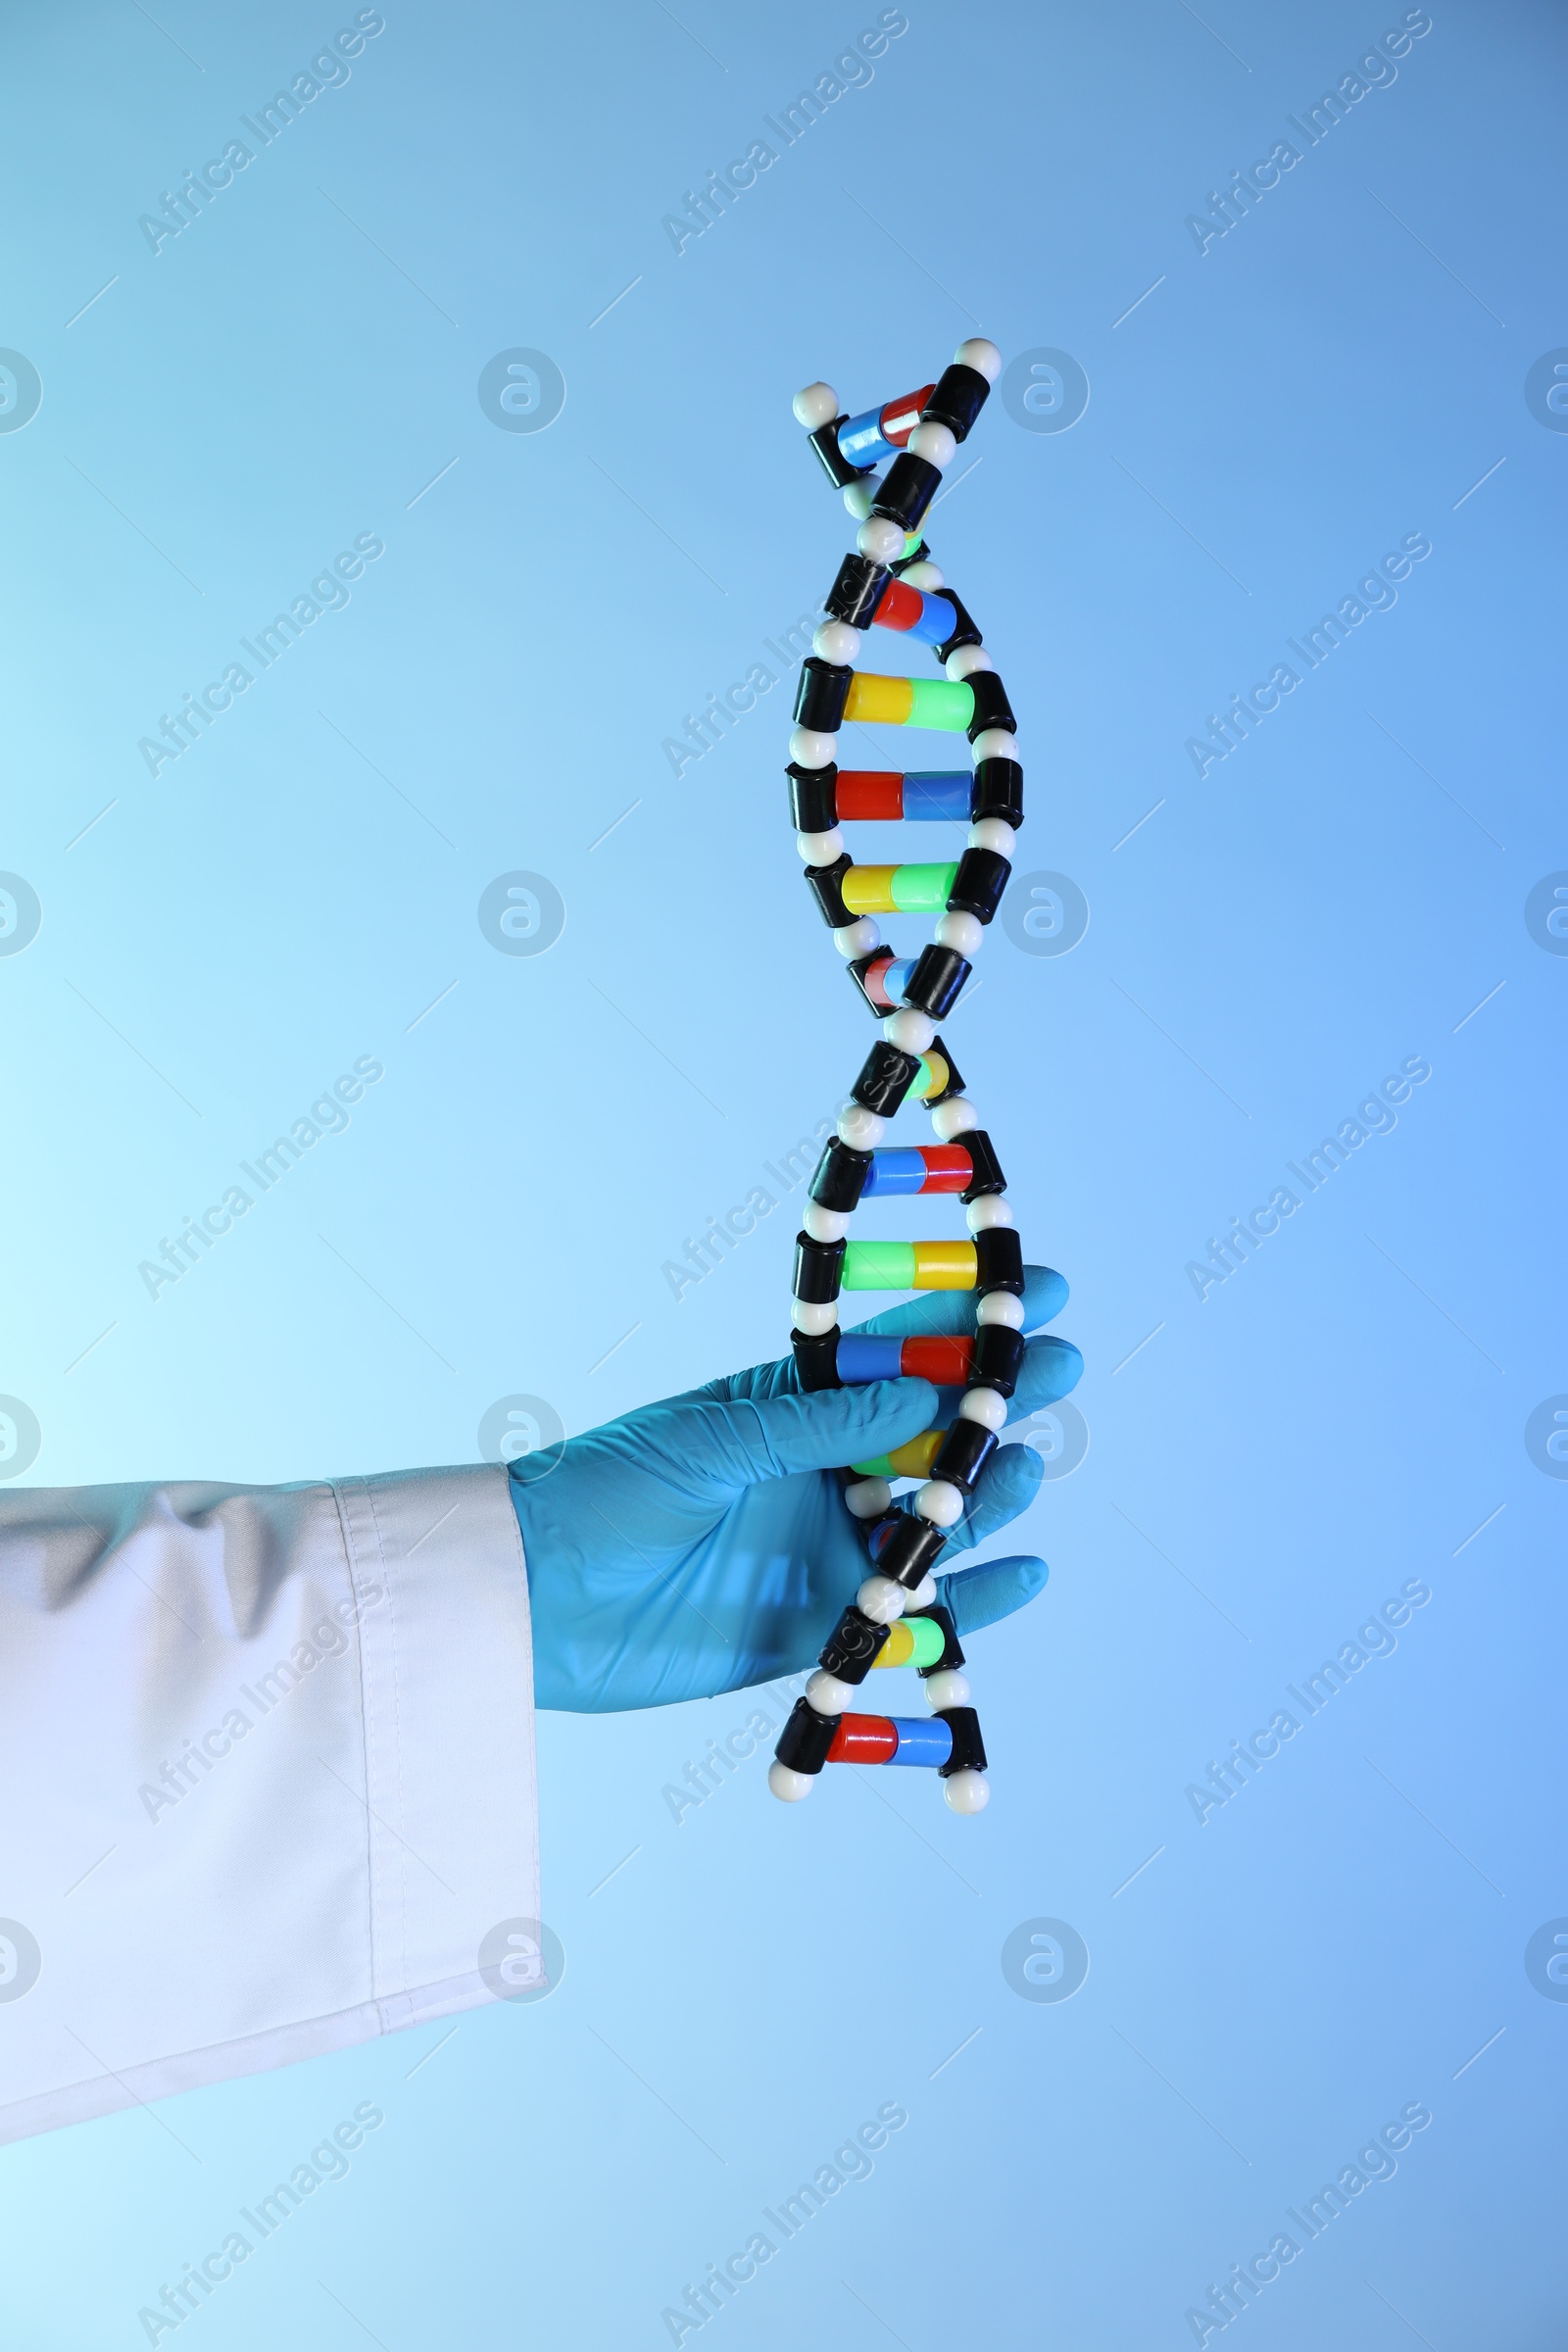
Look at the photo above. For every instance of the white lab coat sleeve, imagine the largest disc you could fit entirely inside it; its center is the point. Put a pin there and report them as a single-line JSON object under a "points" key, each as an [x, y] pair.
{"points": [[267, 1774]]}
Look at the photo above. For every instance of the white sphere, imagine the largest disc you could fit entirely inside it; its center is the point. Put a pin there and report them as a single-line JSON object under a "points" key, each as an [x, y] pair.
{"points": [[990, 1209], [966, 659], [947, 1688], [862, 1129], [924, 1594], [789, 1786], [958, 930], [820, 849], [967, 1791], [882, 1601], [858, 938], [880, 539], [994, 743], [857, 496], [808, 749], [835, 641], [990, 833], [815, 406], [827, 1695], [1000, 1307], [940, 1501], [934, 442], [911, 1031], [953, 1118], [979, 354], [824, 1224], [924, 574], [868, 1497], [814, 1316], [985, 1406]]}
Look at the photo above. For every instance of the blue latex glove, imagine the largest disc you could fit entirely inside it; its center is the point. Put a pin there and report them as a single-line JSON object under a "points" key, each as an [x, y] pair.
{"points": [[703, 1545]]}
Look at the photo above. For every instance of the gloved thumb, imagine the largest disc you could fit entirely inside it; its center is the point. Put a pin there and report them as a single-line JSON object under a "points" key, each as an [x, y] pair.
{"points": [[830, 1428]]}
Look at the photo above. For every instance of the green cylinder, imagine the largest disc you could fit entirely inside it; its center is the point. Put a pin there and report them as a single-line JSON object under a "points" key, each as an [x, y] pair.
{"points": [[878, 1266], [930, 1078], [942, 702], [922, 889], [929, 1640]]}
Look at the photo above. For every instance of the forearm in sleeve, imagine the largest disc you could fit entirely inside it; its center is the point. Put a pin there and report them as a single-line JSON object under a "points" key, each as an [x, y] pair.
{"points": [[267, 1769]]}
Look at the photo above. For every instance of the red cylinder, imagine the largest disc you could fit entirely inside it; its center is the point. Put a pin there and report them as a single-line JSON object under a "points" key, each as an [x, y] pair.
{"points": [[943, 1361], [901, 416], [898, 608], [869, 793], [863, 1739], [871, 980], [947, 1167]]}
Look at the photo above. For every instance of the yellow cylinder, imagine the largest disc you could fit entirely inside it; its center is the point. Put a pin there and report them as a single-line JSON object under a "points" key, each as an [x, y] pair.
{"points": [[899, 1647], [880, 702], [914, 1459], [868, 889], [945, 1265]]}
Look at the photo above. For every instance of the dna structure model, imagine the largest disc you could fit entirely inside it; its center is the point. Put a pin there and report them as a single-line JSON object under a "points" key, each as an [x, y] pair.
{"points": [[892, 583]]}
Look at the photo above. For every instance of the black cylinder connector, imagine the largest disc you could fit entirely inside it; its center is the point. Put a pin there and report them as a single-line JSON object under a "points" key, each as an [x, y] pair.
{"points": [[997, 791], [885, 1079], [835, 465], [911, 1551], [963, 1453], [997, 1359], [856, 592], [959, 395], [851, 1648], [987, 1176], [992, 707], [907, 488], [969, 1748], [936, 981], [839, 1178], [816, 1359], [818, 1270], [813, 797], [999, 1259], [806, 1737], [826, 885], [821, 692]]}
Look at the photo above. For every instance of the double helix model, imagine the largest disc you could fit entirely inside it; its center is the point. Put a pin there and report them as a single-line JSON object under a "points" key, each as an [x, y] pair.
{"points": [[892, 583]]}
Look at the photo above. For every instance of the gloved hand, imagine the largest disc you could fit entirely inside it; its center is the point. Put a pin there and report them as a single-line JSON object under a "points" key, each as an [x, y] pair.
{"points": [[701, 1545]]}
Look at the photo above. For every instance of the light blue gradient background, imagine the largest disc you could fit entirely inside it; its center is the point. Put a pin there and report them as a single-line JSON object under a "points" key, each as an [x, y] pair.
{"points": [[1277, 413]]}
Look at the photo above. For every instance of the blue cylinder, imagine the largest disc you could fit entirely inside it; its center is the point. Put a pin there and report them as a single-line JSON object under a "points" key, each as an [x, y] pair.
{"points": [[893, 1169], [860, 439], [863, 1355], [930, 793], [896, 977], [937, 622], [922, 1739]]}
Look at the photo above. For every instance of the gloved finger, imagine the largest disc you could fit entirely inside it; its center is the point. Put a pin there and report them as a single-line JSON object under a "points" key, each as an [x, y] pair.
{"points": [[1006, 1485], [981, 1596], [1045, 1294], [829, 1429], [1051, 1367]]}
